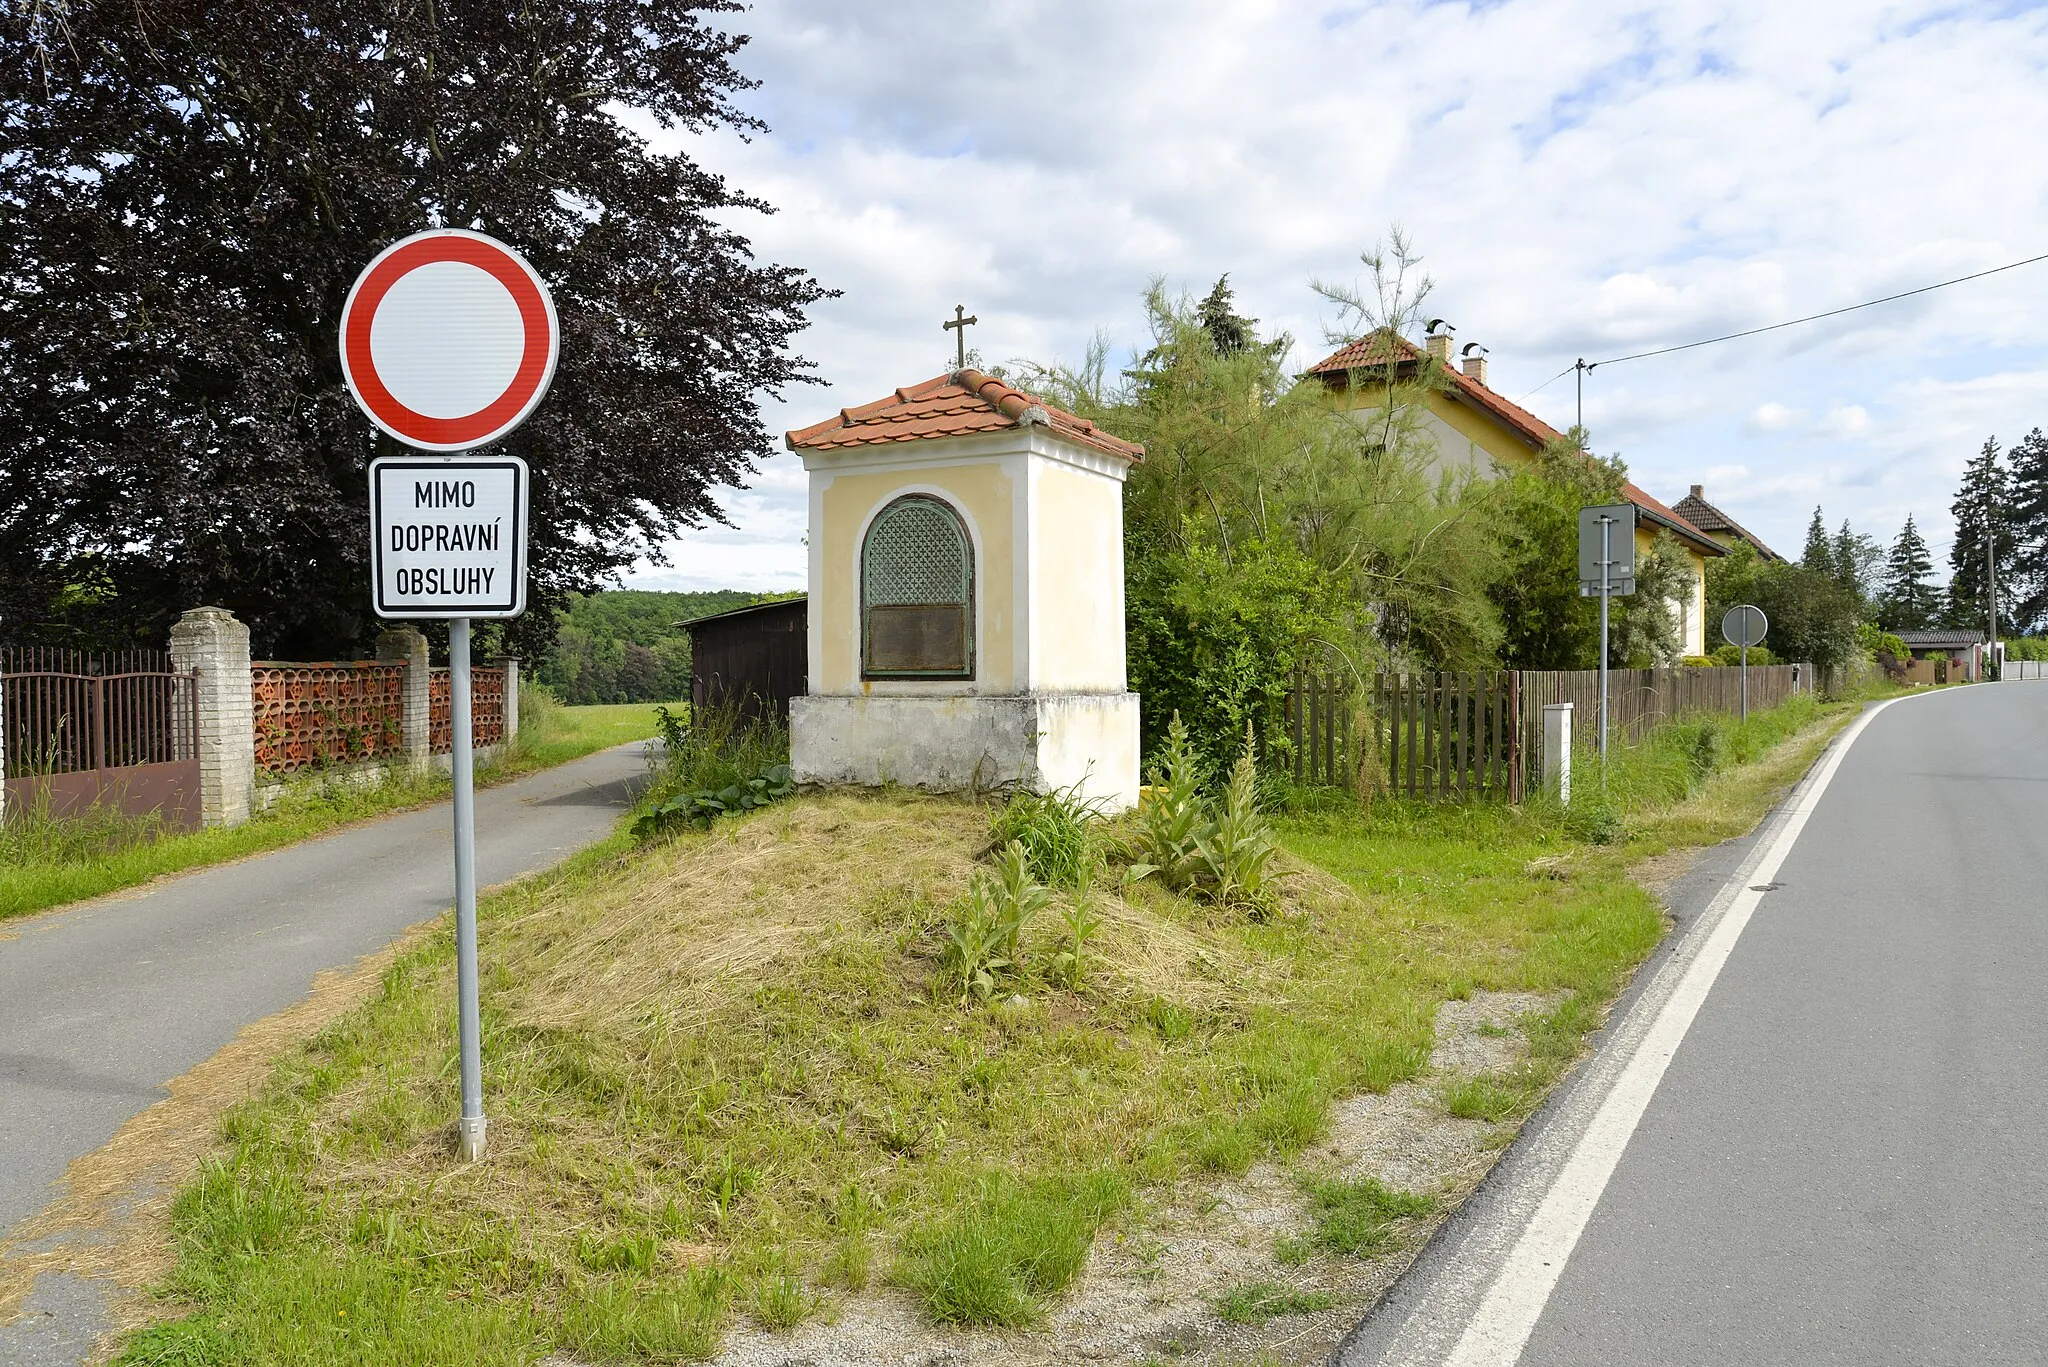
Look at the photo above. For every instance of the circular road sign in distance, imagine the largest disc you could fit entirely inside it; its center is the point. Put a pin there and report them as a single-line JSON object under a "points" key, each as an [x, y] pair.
{"points": [[448, 339], [1744, 625]]}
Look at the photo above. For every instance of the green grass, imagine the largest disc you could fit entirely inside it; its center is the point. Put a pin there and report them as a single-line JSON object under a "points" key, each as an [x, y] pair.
{"points": [[46, 863], [1257, 1302], [1362, 1217], [997, 1260], [727, 1068]]}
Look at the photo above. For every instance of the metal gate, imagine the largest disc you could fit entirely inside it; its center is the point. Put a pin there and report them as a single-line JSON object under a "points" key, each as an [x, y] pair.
{"points": [[80, 730]]}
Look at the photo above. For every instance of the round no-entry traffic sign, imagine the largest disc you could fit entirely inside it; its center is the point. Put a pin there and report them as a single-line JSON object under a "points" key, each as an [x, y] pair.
{"points": [[448, 339], [1744, 625]]}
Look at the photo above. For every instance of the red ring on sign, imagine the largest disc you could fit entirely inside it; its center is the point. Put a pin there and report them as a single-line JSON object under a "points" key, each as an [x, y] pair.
{"points": [[474, 428]]}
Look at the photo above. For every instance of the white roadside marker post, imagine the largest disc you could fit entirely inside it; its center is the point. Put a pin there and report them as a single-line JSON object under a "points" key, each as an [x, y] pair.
{"points": [[448, 342]]}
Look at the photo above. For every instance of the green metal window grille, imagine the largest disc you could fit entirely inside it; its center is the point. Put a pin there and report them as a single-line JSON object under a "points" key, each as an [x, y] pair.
{"points": [[917, 593]]}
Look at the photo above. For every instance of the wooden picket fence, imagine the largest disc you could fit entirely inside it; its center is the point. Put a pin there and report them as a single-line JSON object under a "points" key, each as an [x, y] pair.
{"points": [[1465, 735]]}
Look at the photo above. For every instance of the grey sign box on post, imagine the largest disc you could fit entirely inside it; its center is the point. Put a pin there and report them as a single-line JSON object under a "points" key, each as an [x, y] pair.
{"points": [[1621, 545]]}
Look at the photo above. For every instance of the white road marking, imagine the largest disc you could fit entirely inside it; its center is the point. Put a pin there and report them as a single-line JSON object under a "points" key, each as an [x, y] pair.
{"points": [[1500, 1329]]}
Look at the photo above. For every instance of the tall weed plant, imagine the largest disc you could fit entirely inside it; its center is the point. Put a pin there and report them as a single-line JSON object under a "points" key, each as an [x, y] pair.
{"points": [[711, 748]]}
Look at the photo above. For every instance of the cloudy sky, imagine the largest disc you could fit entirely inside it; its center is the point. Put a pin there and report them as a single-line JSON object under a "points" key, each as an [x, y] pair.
{"points": [[1583, 179]]}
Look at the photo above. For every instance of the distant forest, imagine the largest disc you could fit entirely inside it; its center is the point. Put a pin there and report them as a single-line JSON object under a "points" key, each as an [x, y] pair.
{"points": [[622, 645]]}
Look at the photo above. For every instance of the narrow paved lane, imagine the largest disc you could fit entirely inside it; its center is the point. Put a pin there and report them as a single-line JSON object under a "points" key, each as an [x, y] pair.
{"points": [[103, 1004], [1846, 1160]]}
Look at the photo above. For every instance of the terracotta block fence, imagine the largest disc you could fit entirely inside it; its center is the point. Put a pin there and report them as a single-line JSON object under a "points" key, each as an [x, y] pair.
{"points": [[243, 726]]}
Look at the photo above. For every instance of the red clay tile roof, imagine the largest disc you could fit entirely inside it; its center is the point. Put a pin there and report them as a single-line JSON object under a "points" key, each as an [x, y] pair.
{"points": [[1695, 509], [1381, 348], [955, 405]]}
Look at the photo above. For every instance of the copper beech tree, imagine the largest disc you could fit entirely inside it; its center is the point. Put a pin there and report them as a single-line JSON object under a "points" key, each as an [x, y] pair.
{"points": [[189, 187]]}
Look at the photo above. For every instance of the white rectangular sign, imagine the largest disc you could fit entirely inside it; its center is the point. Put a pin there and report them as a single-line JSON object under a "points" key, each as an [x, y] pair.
{"points": [[448, 536]]}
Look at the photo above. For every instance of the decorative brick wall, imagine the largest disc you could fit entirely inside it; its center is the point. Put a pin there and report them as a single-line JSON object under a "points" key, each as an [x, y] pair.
{"points": [[309, 716], [486, 708]]}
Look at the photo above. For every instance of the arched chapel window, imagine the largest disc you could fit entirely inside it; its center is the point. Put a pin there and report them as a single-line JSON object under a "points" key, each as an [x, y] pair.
{"points": [[917, 593]]}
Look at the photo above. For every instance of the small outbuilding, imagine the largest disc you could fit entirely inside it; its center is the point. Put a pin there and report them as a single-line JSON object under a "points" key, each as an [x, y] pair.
{"points": [[752, 660], [966, 618], [1944, 656]]}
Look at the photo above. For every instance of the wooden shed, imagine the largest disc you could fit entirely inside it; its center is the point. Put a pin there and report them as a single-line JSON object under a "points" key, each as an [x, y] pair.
{"points": [[754, 658]]}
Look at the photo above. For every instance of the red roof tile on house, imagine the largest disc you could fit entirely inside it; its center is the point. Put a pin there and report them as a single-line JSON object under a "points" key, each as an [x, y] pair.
{"points": [[955, 405], [1383, 348], [1695, 509]]}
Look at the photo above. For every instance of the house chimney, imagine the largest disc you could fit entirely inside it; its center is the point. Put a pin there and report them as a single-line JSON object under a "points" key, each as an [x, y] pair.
{"points": [[1475, 363], [1437, 340], [1696, 493]]}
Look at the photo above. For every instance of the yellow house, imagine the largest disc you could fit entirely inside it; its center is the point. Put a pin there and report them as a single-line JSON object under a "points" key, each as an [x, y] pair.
{"points": [[1473, 428], [966, 596]]}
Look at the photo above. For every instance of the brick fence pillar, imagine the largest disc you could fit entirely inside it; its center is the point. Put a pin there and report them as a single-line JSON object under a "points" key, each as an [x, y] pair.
{"points": [[210, 644], [409, 648], [511, 663]]}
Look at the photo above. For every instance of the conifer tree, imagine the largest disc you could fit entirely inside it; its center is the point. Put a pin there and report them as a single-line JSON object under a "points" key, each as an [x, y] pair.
{"points": [[1981, 509], [1910, 602], [2027, 498], [1819, 554], [1858, 559]]}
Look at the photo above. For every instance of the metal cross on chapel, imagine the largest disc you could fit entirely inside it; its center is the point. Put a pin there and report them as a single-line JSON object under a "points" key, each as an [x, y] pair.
{"points": [[958, 325]]}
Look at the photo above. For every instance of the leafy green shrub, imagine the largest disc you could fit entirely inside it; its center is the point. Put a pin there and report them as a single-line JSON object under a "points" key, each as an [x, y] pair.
{"points": [[1054, 829], [985, 933], [702, 806], [1238, 848], [710, 763], [1171, 819], [1727, 655], [1228, 857], [1080, 919]]}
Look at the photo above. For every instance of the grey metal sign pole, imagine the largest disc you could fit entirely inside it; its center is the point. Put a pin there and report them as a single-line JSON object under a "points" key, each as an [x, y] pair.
{"points": [[1745, 625], [1606, 566], [470, 1132], [1606, 571], [473, 355]]}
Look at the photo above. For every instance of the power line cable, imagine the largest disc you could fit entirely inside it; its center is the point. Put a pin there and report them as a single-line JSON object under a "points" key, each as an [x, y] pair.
{"points": [[1816, 317], [1583, 365]]}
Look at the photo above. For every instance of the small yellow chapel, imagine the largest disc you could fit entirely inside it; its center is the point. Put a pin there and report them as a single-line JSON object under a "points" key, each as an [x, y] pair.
{"points": [[966, 596]]}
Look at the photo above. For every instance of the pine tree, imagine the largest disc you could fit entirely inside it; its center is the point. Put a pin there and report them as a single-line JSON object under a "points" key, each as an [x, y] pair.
{"points": [[1228, 330], [1910, 601], [1819, 555], [1981, 507], [1857, 560], [2027, 500]]}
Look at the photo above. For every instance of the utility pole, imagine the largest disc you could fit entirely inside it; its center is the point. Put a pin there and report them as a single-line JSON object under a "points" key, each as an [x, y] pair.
{"points": [[1990, 590]]}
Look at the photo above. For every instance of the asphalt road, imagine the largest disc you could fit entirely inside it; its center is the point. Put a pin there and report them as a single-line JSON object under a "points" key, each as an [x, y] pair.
{"points": [[103, 1004], [1846, 1157]]}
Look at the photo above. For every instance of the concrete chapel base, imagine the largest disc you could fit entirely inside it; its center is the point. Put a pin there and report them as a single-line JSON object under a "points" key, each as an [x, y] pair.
{"points": [[1036, 741]]}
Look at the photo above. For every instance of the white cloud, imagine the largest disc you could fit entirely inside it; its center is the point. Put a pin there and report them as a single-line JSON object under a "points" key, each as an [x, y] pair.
{"points": [[1846, 420], [1773, 417], [1586, 181]]}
